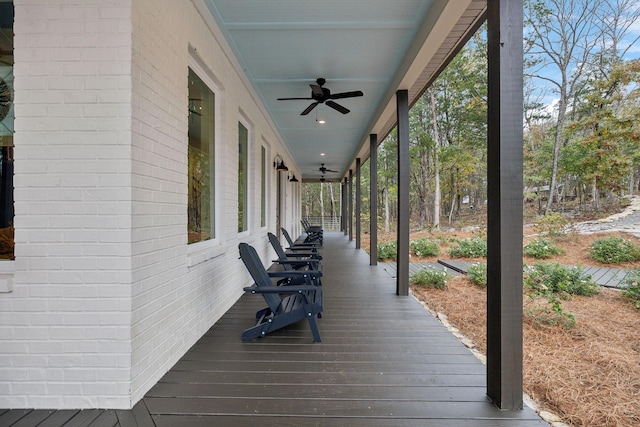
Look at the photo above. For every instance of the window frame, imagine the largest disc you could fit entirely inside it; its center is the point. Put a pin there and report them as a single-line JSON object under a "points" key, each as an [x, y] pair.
{"points": [[207, 78], [264, 185], [248, 202]]}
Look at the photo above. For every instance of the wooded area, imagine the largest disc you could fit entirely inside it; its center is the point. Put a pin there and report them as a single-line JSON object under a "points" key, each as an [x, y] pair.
{"points": [[581, 129]]}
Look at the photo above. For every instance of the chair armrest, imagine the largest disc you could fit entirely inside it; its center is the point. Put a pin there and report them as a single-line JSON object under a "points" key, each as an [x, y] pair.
{"points": [[297, 262], [311, 273], [302, 265], [313, 255], [297, 289], [303, 247]]}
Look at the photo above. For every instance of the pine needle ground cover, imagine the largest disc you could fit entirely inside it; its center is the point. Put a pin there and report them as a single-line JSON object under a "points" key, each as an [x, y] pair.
{"points": [[587, 374]]}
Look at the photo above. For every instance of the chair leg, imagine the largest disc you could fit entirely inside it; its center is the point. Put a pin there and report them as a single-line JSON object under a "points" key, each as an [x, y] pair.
{"points": [[313, 324]]}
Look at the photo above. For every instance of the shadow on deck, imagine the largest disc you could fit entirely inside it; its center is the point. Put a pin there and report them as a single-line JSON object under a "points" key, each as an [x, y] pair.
{"points": [[383, 361]]}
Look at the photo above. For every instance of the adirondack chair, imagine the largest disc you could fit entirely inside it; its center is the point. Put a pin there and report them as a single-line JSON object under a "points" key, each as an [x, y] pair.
{"points": [[314, 232], [298, 246], [285, 304], [294, 261]]}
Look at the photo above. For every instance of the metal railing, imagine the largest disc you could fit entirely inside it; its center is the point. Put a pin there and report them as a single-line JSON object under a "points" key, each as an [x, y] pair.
{"points": [[328, 223]]}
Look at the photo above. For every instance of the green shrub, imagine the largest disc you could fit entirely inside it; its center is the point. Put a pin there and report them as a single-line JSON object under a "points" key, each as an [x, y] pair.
{"points": [[547, 284], [424, 247], [555, 278], [469, 248], [477, 273], [631, 288], [547, 309], [614, 250], [541, 249], [388, 250], [430, 276], [552, 224]]}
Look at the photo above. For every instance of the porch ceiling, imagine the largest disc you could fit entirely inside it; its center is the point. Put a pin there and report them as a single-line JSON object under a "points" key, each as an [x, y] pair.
{"points": [[375, 46]]}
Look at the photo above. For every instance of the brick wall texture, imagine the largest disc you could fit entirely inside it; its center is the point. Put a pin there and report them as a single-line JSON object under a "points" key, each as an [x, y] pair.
{"points": [[107, 295]]}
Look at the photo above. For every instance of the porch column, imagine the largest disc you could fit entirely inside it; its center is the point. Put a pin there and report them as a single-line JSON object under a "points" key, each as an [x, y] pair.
{"points": [[350, 213], [344, 207], [373, 199], [358, 203], [504, 221], [402, 276]]}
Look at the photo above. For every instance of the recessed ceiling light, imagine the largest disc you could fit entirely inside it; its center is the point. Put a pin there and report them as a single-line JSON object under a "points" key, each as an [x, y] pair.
{"points": [[322, 154]]}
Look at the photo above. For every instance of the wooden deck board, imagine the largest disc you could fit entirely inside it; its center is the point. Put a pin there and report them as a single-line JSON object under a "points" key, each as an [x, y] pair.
{"points": [[273, 421], [59, 418], [603, 276], [383, 360]]}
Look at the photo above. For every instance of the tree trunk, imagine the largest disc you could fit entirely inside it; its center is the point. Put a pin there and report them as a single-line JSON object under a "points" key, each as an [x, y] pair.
{"points": [[332, 202], [436, 165], [387, 226], [557, 144]]}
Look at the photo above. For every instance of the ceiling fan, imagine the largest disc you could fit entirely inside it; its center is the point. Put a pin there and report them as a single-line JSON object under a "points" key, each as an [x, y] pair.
{"points": [[325, 170], [322, 95]]}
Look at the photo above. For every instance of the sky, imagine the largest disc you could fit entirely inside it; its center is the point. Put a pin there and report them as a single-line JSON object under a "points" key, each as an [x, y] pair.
{"points": [[546, 90]]}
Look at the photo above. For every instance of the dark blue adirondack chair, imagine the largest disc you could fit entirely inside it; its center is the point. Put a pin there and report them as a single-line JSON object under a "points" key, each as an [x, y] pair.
{"points": [[298, 246], [294, 261], [285, 304], [314, 232]]}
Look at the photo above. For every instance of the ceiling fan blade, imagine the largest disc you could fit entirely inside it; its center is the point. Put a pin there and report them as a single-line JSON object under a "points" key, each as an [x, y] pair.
{"points": [[342, 95], [317, 90], [337, 107], [289, 99], [309, 108]]}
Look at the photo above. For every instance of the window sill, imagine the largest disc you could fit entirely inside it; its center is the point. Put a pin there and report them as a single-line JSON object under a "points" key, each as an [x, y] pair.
{"points": [[204, 251]]}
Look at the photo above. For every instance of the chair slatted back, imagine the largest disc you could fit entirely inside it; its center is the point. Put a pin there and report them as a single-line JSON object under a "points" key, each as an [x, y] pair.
{"points": [[282, 256], [258, 273], [285, 233]]}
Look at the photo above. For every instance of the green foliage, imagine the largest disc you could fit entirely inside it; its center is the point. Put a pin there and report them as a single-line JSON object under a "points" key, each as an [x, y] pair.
{"points": [[558, 279], [631, 288], [552, 224], [477, 273], [547, 310], [424, 247], [614, 250], [430, 276], [469, 248], [541, 249], [547, 284], [388, 250], [606, 130]]}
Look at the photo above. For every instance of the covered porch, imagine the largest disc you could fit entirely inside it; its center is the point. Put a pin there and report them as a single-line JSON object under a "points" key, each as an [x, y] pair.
{"points": [[382, 357], [383, 361]]}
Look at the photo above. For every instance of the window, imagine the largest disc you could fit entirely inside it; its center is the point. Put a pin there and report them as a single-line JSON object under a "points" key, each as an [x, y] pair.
{"points": [[6, 131], [201, 161], [243, 178], [263, 186]]}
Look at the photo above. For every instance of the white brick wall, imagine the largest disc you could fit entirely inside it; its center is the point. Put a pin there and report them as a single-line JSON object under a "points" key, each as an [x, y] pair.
{"points": [[107, 295], [68, 318]]}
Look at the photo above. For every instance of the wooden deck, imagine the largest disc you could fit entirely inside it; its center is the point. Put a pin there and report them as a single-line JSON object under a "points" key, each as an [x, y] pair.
{"points": [[603, 276], [383, 361]]}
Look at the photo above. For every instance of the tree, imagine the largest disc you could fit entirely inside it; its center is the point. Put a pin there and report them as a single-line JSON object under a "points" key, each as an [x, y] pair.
{"points": [[562, 35], [388, 176], [607, 137]]}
